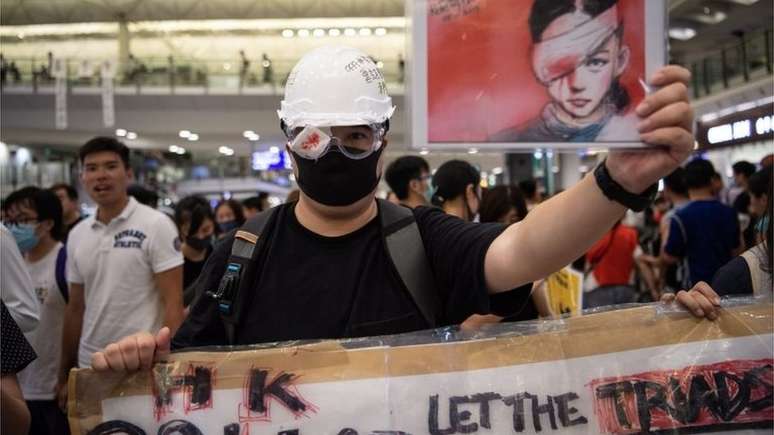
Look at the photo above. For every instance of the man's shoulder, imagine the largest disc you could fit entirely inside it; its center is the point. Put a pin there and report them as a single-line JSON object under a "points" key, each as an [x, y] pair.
{"points": [[80, 230], [149, 215]]}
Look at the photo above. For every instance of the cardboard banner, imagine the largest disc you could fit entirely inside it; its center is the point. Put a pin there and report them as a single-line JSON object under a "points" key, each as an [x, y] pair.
{"points": [[631, 371], [565, 292], [107, 73]]}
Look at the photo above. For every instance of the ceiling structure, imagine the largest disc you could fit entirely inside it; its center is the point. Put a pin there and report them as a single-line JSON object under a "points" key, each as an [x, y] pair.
{"points": [[25, 12]]}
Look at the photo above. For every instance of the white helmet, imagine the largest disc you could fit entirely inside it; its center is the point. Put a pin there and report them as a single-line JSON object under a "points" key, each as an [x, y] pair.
{"points": [[335, 85]]}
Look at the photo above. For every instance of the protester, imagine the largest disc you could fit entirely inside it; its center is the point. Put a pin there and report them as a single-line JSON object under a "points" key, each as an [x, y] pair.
{"points": [[409, 178], [324, 269], [196, 226], [16, 354], [229, 215], [750, 273], [39, 380], [610, 266], [18, 292], [704, 234], [71, 211], [255, 204], [671, 276], [457, 189], [504, 204], [739, 198], [124, 263]]}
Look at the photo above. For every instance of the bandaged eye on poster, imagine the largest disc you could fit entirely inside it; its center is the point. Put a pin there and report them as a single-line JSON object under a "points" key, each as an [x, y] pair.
{"points": [[515, 74], [642, 370]]}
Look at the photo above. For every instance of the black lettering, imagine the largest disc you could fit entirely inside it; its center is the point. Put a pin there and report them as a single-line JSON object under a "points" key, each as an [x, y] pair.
{"points": [[432, 419], [517, 402], [259, 390], [754, 378], [548, 408], [645, 404], [458, 418], [181, 427], [617, 393], [564, 411], [201, 385], [483, 399]]}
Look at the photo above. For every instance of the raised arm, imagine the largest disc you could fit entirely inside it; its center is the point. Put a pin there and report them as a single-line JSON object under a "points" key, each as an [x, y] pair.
{"points": [[563, 228]]}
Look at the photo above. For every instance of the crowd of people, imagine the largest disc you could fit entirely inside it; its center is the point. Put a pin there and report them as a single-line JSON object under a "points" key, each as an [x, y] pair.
{"points": [[118, 290]]}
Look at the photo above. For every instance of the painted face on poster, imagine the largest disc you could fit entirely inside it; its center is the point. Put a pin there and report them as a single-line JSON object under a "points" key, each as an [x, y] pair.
{"points": [[549, 73]]}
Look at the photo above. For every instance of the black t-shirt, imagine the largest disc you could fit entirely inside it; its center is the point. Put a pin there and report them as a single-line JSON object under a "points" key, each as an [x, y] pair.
{"points": [[192, 269], [16, 351], [311, 287], [733, 279]]}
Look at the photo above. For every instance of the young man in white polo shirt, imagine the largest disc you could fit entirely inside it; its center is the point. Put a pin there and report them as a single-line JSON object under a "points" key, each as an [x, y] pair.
{"points": [[124, 263]]}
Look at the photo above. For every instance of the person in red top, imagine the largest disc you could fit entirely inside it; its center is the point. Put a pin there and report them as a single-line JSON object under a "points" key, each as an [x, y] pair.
{"points": [[610, 263]]}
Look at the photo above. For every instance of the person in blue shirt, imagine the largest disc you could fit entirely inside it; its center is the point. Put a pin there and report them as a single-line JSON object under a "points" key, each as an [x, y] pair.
{"points": [[703, 234]]}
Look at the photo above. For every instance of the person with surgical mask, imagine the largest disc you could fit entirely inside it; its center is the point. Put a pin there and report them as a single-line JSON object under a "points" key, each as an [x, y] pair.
{"points": [[409, 178], [196, 224], [37, 221], [322, 269], [457, 190], [229, 215]]}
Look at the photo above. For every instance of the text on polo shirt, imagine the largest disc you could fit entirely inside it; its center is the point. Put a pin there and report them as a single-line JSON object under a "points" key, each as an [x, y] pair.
{"points": [[129, 239]]}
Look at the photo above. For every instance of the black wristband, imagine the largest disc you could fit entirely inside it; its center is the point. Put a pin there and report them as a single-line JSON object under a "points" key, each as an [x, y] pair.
{"points": [[615, 192]]}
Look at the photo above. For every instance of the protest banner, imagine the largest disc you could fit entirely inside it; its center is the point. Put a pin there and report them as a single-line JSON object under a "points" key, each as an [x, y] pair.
{"points": [[641, 370]]}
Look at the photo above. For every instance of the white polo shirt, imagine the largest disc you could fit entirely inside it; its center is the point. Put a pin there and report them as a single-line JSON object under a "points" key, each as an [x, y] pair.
{"points": [[116, 264]]}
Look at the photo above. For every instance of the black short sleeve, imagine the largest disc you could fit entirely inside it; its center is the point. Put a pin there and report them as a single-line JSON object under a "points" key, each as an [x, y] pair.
{"points": [[16, 351], [456, 250], [203, 326], [733, 278]]}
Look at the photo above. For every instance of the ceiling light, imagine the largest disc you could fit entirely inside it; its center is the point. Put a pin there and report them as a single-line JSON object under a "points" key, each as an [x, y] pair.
{"points": [[226, 151], [473, 151], [226, 66], [303, 33], [193, 137], [319, 33], [184, 134], [709, 16], [380, 31], [682, 33], [424, 152], [274, 149], [173, 148], [497, 171], [350, 32], [334, 32], [538, 155], [120, 132], [365, 31], [288, 33], [248, 133], [131, 135]]}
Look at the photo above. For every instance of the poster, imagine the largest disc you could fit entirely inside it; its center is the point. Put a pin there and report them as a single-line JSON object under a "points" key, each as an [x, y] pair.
{"points": [[513, 74], [565, 292], [641, 370]]}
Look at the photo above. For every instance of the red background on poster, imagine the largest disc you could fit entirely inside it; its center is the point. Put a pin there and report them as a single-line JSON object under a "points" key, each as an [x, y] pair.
{"points": [[480, 77]]}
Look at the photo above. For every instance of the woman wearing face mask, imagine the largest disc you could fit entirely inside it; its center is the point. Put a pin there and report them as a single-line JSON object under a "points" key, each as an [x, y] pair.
{"points": [[457, 189], [196, 225], [579, 56], [229, 215]]}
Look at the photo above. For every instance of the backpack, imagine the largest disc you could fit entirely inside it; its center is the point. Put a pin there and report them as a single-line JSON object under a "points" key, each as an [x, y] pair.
{"points": [[402, 241]]}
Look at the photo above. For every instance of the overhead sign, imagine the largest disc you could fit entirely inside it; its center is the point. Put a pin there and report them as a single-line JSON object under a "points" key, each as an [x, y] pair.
{"points": [[623, 372], [752, 125]]}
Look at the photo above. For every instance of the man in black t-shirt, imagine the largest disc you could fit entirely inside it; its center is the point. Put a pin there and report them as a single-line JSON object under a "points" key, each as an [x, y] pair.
{"points": [[322, 269], [71, 212]]}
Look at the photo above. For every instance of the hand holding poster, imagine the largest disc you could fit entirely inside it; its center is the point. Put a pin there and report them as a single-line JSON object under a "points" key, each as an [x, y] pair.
{"points": [[634, 371], [532, 73]]}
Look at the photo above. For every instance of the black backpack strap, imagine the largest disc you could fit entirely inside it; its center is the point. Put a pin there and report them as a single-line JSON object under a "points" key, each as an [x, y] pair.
{"points": [[60, 275], [407, 251], [240, 271]]}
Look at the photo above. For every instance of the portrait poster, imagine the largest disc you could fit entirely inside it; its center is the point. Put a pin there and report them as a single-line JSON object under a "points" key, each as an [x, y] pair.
{"points": [[530, 74]]}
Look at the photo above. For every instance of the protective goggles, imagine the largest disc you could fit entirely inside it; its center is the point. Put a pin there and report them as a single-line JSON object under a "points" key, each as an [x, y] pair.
{"points": [[356, 142]]}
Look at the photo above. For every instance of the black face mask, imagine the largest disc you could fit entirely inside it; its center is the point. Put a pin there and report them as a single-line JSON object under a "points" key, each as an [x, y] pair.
{"points": [[335, 179], [198, 244]]}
